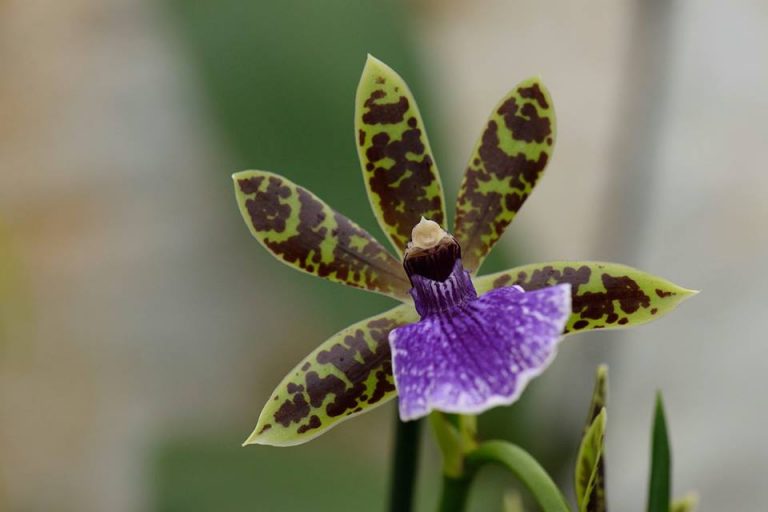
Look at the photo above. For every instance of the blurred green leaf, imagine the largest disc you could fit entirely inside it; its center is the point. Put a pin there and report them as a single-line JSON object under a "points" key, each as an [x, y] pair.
{"points": [[660, 480], [509, 158], [589, 467], [348, 374], [604, 295], [399, 171], [210, 473]]}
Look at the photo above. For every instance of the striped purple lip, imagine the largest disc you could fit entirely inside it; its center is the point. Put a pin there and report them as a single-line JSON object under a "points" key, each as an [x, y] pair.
{"points": [[469, 353]]}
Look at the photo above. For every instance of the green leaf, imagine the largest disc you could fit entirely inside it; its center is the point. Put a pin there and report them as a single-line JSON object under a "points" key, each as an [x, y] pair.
{"points": [[599, 394], [508, 160], [589, 467], [593, 498], [399, 171], [525, 468], [348, 374], [685, 504], [302, 231], [604, 295], [660, 482]]}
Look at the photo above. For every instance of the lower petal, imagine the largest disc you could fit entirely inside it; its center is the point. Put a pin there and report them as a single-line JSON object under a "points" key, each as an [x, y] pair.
{"points": [[479, 355]]}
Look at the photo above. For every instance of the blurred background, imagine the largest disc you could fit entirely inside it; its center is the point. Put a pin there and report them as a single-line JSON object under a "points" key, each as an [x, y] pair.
{"points": [[142, 329]]}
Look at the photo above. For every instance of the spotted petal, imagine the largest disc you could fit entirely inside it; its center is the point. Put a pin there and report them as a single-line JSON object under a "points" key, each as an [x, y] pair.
{"points": [[302, 231], [347, 375], [478, 355], [508, 160], [605, 295], [398, 169]]}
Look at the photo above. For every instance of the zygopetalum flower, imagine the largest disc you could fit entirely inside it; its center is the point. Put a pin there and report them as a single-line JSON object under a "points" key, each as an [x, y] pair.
{"points": [[469, 353], [458, 343]]}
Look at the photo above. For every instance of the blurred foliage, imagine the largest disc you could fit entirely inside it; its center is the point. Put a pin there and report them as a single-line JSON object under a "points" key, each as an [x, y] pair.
{"points": [[216, 474]]}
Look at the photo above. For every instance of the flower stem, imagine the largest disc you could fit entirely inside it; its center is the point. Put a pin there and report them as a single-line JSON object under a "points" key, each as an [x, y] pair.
{"points": [[515, 460], [404, 466], [455, 493], [525, 468]]}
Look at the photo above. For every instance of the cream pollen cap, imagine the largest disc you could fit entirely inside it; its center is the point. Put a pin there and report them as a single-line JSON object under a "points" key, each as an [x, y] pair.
{"points": [[426, 234]]}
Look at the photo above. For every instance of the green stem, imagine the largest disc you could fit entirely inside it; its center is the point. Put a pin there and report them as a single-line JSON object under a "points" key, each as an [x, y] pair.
{"points": [[455, 493], [406, 456], [521, 464]]}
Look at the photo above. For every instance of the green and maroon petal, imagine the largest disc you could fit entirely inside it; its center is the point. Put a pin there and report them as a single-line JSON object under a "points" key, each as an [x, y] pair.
{"points": [[508, 160], [604, 295], [350, 373], [302, 231], [398, 169]]}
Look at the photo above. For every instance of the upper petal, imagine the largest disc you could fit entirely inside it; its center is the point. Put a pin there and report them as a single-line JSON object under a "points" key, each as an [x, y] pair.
{"points": [[302, 231], [479, 355], [508, 160], [605, 295], [348, 374], [399, 171]]}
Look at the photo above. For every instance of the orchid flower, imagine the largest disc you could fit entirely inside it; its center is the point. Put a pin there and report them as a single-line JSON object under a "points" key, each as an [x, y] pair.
{"points": [[459, 342]]}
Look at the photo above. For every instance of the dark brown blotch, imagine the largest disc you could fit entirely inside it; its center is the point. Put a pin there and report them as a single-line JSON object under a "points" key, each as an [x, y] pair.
{"points": [[372, 263], [250, 185], [524, 122], [266, 211], [293, 410], [502, 280], [626, 290], [384, 113], [401, 171], [550, 276], [580, 324], [534, 92], [357, 361], [592, 305], [662, 294], [314, 422], [481, 218], [294, 388]]}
